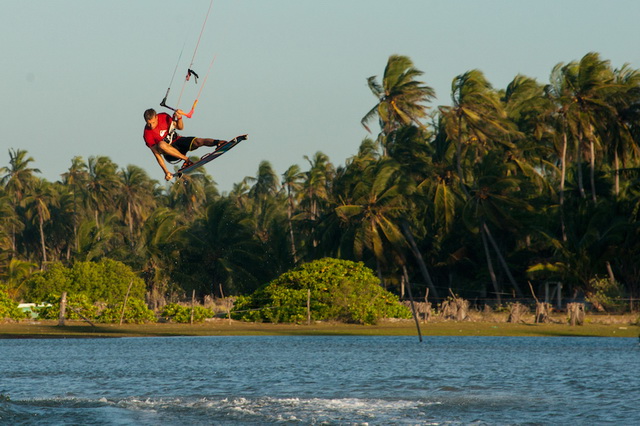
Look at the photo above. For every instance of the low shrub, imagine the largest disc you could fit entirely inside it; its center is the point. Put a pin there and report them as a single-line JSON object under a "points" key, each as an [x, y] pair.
{"points": [[340, 290], [9, 308], [78, 306], [136, 312], [182, 314]]}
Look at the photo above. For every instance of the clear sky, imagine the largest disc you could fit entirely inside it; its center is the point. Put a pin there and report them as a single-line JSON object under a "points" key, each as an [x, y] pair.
{"points": [[76, 75]]}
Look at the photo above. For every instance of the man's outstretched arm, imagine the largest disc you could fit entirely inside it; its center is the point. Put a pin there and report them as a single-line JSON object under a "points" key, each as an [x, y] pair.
{"points": [[160, 159]]}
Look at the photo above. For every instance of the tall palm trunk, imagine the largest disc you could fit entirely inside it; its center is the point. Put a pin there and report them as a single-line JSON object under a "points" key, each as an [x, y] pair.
{"points": [[592, 170], [130, 222], [563, 175], [492, 273], [416, 253], [502, 260], [313, 214], [294, 252], [13, 238], [579, 165], [42, 243], [616, 161], [459, 154]]}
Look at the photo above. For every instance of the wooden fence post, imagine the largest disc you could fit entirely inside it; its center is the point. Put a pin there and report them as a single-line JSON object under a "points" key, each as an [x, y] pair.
{"points": [[124, 304], [576, 313], [63, 308], [308, 306], [193, 303]]}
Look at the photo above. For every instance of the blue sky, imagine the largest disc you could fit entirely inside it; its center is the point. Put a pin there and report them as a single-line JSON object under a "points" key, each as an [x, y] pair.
{"points": [[77, 75]]}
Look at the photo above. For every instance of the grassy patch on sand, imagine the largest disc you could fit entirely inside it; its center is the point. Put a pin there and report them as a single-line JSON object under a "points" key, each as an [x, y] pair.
{"points": [[597, 326]]}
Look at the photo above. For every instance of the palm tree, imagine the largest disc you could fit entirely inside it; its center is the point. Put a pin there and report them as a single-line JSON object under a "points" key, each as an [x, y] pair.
{"points": [[18, 177], [596, 234], [161, 241], [265, 184], [136, 197], [401, 98], [527, 106], [191, 193], [417, 177], [437, 193], [263, 194], [350, 175], [17, 180], [106, 240], [102, 187], [581, 89], [620, 131], [372, 210], [267, 210], [292, 184], [10, 224], [222, 252], [76, 180], [317, 186], [476, 119], [534, 155], [62, 229], [15, 275], [316, 193], [37, 204], [495, 200]]}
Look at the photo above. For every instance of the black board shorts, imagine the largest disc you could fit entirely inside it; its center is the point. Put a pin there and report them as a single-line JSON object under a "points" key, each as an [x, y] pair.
{"points": [[182, 144]]}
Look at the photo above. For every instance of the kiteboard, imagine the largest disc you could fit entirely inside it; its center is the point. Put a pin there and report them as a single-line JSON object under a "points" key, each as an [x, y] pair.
{"points": [[211, 155]]}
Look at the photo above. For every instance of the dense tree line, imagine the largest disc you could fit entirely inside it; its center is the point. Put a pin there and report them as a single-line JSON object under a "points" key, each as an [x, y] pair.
{"points": [[502, 188]]}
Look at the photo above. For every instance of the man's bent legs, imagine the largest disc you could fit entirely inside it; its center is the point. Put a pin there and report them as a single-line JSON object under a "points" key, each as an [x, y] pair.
{"points": [[170, 150], [198, 142]]}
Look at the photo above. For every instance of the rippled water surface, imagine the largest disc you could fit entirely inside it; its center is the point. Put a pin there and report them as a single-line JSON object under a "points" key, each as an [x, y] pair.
{"points": [[320, 380]]}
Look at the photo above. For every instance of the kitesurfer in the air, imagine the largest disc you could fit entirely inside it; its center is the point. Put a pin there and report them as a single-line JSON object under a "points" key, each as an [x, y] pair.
{"points": [[165, 143]]}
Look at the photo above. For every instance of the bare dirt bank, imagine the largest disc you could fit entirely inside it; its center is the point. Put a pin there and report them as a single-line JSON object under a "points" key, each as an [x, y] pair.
{"points": [[594, 325]]}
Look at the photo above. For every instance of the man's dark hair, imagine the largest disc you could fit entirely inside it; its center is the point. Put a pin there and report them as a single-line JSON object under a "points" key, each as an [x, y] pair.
{"points": [[149, 114]]}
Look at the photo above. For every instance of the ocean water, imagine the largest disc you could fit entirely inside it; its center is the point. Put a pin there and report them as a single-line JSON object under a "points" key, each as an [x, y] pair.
{"points": [[320, 380]]}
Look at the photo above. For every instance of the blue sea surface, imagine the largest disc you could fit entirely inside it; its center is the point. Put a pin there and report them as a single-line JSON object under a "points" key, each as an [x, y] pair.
{"points": [[320, 380]]}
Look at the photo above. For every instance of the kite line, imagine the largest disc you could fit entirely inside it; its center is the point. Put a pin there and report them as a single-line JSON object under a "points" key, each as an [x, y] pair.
{"points": [[190, 72]]}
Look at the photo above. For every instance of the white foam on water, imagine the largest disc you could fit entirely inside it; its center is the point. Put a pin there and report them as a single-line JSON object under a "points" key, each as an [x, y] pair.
{"points": [[256, 410]]}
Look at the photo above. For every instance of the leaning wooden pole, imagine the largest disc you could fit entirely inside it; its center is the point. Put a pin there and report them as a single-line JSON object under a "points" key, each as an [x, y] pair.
{"points": [[413, 307], [124, 304], [77, 311]]}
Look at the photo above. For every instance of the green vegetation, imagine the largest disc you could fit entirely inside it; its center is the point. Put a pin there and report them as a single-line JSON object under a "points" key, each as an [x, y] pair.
{"points": [[533, 182], [9, 308], [337, 290], [96, 291], [104, 281], [78, 306], [135, 312], [182, 314]]}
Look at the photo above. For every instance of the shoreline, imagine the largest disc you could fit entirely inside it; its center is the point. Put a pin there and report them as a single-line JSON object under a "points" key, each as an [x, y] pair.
{"points": [[30, 329]]}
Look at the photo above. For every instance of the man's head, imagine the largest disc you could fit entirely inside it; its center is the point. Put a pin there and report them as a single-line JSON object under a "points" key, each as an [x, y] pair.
{"points": [[151, 118]]}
